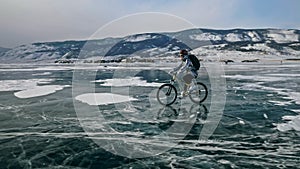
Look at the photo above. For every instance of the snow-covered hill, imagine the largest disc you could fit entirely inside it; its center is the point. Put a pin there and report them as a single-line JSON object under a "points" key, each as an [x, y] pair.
{"points": [[204, 42], [147, 45]]}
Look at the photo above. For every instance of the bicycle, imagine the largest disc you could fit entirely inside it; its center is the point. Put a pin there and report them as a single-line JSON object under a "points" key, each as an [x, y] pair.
{"points": [[167, 93]]}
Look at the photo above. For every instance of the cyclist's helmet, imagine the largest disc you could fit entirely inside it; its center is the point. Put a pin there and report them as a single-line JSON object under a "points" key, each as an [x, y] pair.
{"points": [[183, 52]]}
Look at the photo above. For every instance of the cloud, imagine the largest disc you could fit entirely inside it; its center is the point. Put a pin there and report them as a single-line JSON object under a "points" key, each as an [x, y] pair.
{"points": [[143, 22], [203, 13]]}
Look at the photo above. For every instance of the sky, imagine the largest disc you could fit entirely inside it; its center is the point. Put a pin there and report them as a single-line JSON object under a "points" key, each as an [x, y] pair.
{"points": [[29, 21]]}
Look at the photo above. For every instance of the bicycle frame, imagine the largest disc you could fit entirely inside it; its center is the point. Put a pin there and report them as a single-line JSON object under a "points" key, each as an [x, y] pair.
{"points": [[172, 81]]}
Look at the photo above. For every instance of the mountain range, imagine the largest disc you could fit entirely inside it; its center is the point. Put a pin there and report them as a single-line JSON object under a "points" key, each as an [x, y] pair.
{"points": [[3, 50], [204, 42]]}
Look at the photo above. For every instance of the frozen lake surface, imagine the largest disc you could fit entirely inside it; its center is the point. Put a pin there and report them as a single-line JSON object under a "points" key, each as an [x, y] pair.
{"points": [[39, 128]]}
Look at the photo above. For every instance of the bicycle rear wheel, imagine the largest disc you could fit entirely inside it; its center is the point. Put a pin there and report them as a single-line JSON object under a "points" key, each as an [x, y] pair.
{"points": [[166, 94], [199, 94]]}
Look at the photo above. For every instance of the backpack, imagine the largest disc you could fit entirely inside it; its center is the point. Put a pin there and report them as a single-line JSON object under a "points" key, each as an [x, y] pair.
{"points": [[195, 61]]}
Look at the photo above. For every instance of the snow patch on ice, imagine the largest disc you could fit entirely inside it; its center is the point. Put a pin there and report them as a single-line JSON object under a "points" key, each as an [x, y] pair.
{"points": [[30, 87], [42, 74], [293, 124], [39, 91], [134, 81], [14, 85], [103, 98]]}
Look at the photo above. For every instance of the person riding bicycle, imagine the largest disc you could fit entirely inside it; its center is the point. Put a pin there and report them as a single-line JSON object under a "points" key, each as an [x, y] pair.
{"points": [[186, 72]]}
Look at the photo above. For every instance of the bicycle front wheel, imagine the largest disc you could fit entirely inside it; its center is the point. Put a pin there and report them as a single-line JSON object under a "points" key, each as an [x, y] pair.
{"points": [[166, 94], [199, 94]]}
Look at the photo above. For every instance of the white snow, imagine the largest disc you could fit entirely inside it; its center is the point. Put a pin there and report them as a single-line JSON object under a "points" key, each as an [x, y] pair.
{"points": [[261, 47], [103, 98], [205, 37], [254, 36], [134, 81], [138, 38], [39, 91], [233, 37], [283, 36], [214, 54]]}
